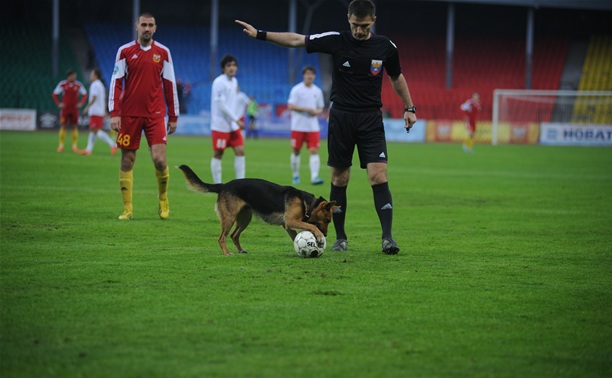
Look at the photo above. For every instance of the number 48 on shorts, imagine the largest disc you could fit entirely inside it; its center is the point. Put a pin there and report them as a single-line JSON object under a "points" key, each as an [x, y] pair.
{"points": [[123, 140]]}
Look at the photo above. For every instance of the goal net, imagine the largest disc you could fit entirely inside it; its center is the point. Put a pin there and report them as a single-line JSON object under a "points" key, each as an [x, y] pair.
{"points": [[518, 115]]}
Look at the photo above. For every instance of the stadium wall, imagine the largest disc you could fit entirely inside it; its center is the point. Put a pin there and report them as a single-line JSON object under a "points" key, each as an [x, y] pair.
{"points": [[427, 18]]}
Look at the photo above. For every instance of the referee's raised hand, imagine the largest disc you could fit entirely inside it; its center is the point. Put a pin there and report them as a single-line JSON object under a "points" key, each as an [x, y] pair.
{"points": [[248, 29]]}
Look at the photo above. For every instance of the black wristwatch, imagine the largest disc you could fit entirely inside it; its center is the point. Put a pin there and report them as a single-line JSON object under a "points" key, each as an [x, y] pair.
{"points": [[411, 109]]}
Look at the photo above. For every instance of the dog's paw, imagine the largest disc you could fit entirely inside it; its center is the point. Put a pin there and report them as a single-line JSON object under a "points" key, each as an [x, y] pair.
{"points": [[321, 242]]}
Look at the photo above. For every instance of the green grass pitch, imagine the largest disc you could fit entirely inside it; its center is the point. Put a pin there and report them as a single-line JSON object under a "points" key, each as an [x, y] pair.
{"points": [[505, 269]]}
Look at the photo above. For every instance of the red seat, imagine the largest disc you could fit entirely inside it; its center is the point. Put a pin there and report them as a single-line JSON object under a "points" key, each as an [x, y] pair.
{"points": [[480, 64]]}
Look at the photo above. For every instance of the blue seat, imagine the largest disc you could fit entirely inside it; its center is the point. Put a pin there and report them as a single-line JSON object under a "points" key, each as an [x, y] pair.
{"points": [[263, 69]]}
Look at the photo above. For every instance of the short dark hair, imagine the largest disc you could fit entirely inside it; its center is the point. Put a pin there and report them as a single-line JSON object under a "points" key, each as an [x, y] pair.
{"points": [[146, 15], [309, 68], [97, 72], [227, 59], [70, 72], [362, 8]]}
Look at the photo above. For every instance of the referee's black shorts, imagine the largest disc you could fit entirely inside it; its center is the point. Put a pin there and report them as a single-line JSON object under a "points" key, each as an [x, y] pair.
{"points": [[349, 129]]}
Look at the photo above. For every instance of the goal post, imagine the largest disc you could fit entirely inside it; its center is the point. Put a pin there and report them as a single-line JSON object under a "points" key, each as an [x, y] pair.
{"points": [[518, 109]]}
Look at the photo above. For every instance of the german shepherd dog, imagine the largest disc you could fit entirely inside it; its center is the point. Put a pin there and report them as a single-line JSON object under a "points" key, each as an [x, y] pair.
{"points": [[237, 200]]}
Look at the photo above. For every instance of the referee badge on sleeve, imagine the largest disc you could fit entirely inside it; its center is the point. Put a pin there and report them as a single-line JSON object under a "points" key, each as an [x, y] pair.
{"points": [[375, 67]]}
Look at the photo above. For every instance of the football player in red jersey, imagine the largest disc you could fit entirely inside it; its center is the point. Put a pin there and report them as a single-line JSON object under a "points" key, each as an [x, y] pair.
{"points": [[471, 109], [142, 92], [69, 105]]}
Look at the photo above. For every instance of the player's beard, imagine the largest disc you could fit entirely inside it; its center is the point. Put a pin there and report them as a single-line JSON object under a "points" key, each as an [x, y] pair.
{"points": [[145, 38]]}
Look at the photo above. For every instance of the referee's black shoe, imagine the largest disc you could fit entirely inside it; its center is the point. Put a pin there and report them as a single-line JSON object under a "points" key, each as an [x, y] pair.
{"points": [[389, 247], [340, 245]]}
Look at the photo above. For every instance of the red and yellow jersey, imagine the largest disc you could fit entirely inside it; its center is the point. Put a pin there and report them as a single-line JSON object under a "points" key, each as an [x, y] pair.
{"points": [[70, 91], [143, 82], [471, 109]]}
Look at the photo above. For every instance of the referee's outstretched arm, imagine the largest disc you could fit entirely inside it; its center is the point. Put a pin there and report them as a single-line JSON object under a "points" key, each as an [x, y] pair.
{"points": [[285, 39]]}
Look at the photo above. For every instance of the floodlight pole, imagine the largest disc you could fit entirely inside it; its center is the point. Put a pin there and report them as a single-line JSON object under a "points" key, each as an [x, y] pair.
{"points": [[55, 40], [214, 38], [450, 37], [292, 28], [135, 15], [529, 48]]}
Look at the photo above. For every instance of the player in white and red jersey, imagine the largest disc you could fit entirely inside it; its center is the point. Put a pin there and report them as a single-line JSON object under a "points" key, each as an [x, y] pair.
{"points": [[226, 124], [70, 90], [96, 110], [471, 109], [142, 91], [306, 104]]}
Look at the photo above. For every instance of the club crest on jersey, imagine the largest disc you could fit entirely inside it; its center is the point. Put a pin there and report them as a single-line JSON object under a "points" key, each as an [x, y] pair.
{"points": [[375, 67], [156, 58]]}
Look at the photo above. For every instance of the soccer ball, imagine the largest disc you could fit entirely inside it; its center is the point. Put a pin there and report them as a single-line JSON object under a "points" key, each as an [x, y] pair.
{"points": [[305, 245]]}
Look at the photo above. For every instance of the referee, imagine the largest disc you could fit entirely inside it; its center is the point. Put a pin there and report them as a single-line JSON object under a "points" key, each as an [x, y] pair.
{"points": [[355, 119]]}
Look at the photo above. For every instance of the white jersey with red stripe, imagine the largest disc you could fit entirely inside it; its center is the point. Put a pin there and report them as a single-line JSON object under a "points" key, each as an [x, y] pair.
{"points": [[143, 82], [223, 107], [97, 97], [305, 97]]}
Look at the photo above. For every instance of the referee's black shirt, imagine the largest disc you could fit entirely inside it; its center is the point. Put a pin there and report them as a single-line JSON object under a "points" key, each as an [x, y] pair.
{"points": [[357, 67]]}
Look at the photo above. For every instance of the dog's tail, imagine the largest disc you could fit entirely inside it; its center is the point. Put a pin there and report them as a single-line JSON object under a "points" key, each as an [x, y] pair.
{"points": [[196, 184]]}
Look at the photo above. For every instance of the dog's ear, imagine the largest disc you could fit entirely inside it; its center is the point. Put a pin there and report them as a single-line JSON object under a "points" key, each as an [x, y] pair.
{"points": [[330, 206]]}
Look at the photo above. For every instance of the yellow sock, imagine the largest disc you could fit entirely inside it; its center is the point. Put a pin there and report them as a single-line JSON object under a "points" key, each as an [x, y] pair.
{"points": [[62, 135], [126, 180], [469, 142], [75, 136], [162, 182]]}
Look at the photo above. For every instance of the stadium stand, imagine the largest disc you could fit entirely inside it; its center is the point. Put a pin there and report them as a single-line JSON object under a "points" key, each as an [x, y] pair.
{"points": [[597, 70], [596, 76], [263, 71], [480, 64], [27, 80]]}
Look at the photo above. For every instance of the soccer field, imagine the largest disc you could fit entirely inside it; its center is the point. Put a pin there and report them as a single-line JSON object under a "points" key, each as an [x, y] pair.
{"points": [[504, 270]]}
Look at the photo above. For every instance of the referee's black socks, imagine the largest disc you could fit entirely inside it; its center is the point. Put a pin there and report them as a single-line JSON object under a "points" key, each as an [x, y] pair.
{"points": [[384, 208], [338, 194]]}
